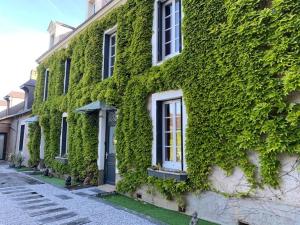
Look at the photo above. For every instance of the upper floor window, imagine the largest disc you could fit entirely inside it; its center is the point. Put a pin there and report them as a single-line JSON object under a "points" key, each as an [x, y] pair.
{"points": [[46, 84], [67, 75], [169, 37], [109, 56]]}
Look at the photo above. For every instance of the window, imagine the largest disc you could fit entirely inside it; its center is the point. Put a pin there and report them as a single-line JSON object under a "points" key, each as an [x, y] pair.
{"points": [[21, 140], [46, 84], [64, 136], [169, 29], [169, 121], [52, 39], [67, 75], [109, 54], [172, 134]]}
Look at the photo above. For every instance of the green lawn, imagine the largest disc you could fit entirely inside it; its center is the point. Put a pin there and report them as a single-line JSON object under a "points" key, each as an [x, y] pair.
{"points": [[23, 169], [163, 215], [51, 180]]}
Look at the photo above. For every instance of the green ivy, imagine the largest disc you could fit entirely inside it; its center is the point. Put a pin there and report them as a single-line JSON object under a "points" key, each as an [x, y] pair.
{"points": [[34, 144], [239, 63]]}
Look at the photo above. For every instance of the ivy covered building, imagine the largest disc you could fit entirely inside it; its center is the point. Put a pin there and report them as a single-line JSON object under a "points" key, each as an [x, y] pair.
{"points": [[190, 105]]}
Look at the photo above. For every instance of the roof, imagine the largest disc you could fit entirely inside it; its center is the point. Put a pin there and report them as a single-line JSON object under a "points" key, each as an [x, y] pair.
{"points": [[13, 111], [52, 23], [30, 83], [16, 94], [105, 9], [3, 103]]}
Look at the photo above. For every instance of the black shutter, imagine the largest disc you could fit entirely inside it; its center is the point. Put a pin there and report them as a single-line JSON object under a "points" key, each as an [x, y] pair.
{"points": [[159, 31], [21, 141], [64, 137], [106, 56], [67, 75], [46, 84], [180, 26], [159, 133]]}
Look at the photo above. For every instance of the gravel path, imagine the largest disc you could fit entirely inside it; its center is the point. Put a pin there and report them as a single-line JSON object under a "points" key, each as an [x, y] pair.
{"points": [[23, 201]]}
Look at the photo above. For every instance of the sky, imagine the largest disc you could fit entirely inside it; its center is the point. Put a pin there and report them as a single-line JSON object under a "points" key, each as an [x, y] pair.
{"points": [[24, 36]]}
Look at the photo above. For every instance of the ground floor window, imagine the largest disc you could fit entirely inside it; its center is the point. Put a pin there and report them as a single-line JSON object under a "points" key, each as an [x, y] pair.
{"points": [[21, 139], [64, 137], [169, 121]]}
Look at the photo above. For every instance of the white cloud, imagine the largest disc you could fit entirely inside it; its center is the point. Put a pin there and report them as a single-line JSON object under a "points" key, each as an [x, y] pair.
{"points": [[18, 52]]}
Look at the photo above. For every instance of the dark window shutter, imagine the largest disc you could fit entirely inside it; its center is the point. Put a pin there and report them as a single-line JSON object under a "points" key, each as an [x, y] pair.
{"points": [[64, 136], [180, 27], [159, 31], [46, 84], [106, 56], [67, 75], [159, 133], [21, 141]]}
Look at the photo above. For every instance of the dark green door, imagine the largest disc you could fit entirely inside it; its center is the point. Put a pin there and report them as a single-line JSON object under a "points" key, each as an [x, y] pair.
{"points": [[2, 146], [110, 151]]}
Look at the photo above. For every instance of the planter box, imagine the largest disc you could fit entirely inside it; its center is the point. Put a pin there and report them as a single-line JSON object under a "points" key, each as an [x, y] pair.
{"points": [[166, 175], [61, 160]]}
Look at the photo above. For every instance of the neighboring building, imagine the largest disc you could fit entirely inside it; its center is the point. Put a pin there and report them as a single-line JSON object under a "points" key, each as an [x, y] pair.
{"points": [[194, 113], [13, 125], [3, 105]]}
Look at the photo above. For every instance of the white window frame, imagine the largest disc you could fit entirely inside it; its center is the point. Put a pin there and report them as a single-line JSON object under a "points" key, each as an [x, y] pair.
{"points": [[166, 96], [65, 115], [46, 85], [155, 41], [112, 54], [112, 31], [172, 164]]}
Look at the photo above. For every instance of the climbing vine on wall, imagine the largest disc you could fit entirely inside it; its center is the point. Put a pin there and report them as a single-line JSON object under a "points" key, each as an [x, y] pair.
{"points": [[239, 64]]}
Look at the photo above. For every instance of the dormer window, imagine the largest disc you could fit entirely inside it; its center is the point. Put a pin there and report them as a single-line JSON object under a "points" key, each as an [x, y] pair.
{"points": [[91, 7], [109, 53]]}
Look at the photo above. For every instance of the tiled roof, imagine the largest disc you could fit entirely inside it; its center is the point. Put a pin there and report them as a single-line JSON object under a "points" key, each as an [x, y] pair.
{"points": [[16, 94], [30, 82], [3, 103]]}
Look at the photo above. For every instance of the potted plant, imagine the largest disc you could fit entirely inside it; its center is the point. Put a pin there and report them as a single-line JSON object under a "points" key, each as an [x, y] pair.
{"points": [[11, 160], [19, 159]]}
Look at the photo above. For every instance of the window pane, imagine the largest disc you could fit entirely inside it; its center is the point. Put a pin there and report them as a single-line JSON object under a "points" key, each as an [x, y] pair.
{"points": [[168, 139], [112, 63], [178, 108], [178, 154], [177, 5], [113, 40], [178, 123], [167, 110], [168, 9], [112, 49], [168, 154], [168, 49], [167, 36], [167, 23], [178, 139], [168, 124]]}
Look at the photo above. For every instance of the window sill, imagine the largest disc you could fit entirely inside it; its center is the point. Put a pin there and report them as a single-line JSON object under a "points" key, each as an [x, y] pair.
{"points": [[159, 63], [166, 175], [62, 160]]}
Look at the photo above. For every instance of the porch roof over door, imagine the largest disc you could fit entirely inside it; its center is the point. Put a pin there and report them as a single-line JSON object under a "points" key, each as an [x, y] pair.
{"points": [[94, 106]]}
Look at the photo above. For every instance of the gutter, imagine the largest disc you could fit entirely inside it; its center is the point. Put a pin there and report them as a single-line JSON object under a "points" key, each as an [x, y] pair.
{"points": [[101, 12]]}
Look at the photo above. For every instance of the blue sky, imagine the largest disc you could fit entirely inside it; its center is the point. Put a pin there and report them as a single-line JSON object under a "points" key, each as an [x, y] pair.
{"points": [[36, 14], [24, 37]]}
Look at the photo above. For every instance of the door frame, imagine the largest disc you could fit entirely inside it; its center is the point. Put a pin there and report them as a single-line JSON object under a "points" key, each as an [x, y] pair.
{"points": [[4, 148]]}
